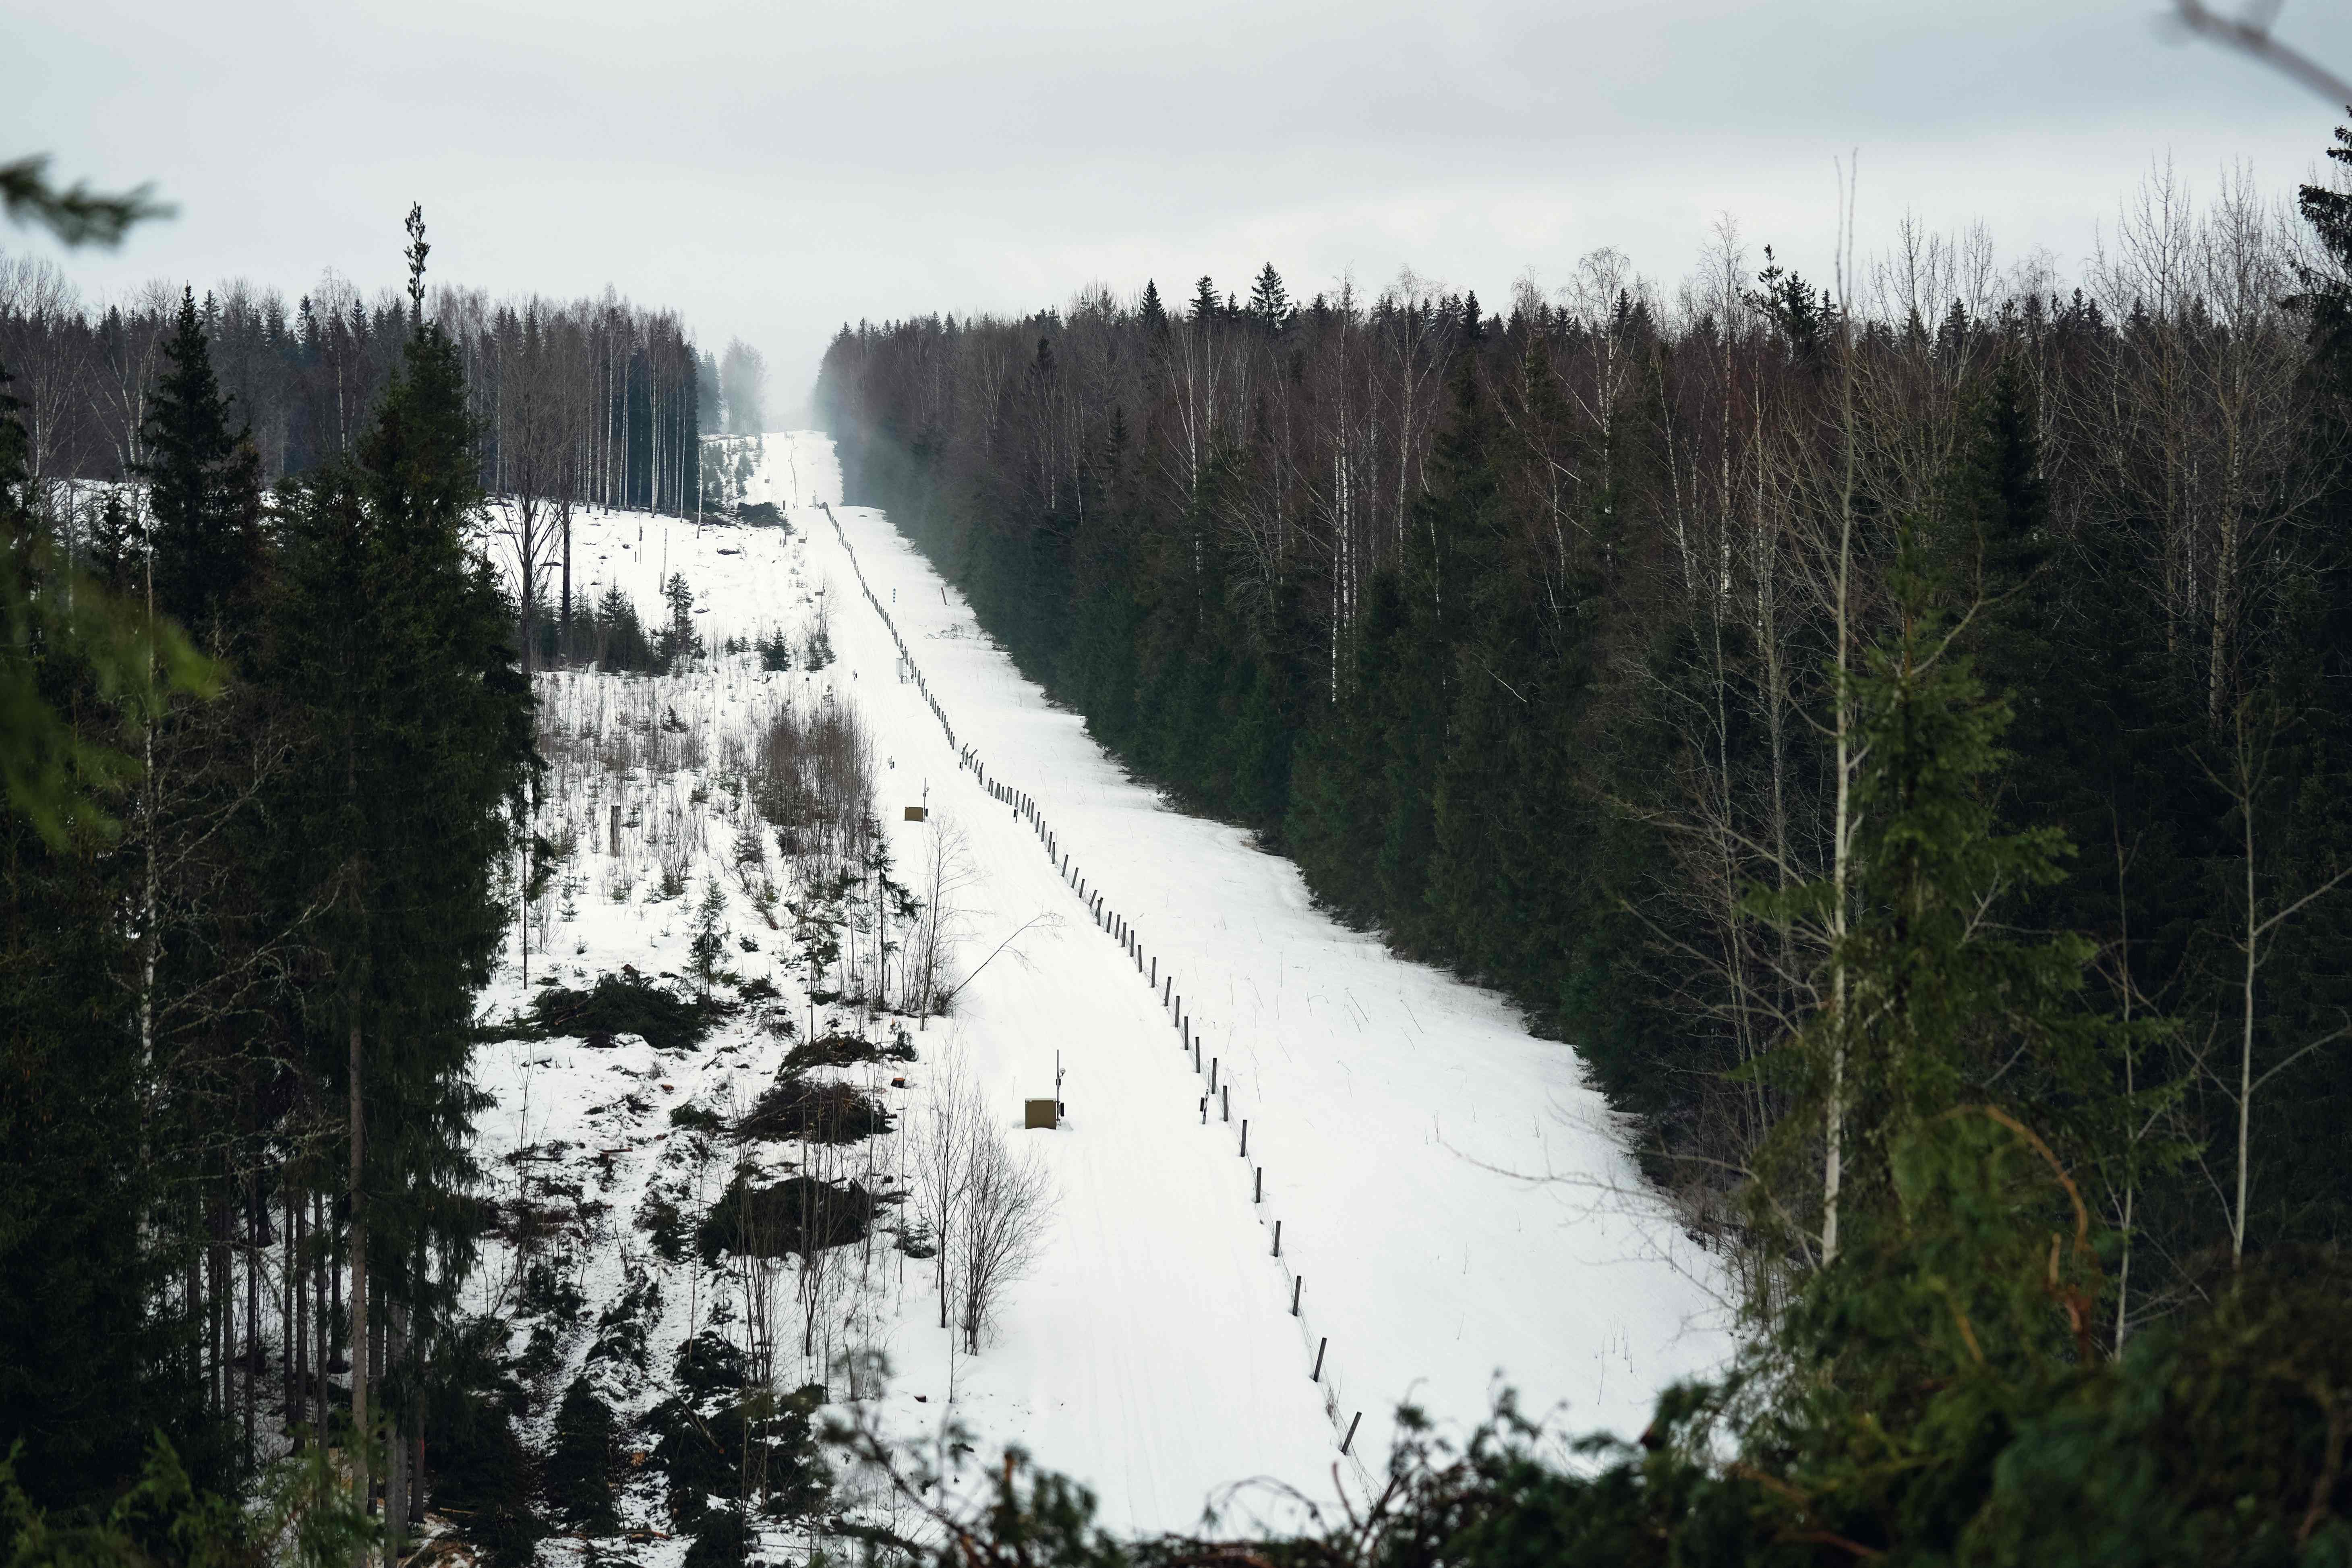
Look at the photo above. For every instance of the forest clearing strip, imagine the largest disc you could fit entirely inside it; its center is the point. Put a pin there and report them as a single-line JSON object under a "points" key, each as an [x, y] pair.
{"points": [[1217, 1095]]}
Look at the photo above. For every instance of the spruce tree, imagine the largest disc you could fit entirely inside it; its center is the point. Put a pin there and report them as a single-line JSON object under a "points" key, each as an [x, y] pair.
{"points": [[1967, 1293], [94, 1356], [1947, 1006], [203, 489], [579, 1466], [393, 640], [1269, 303], [1206, 306], [57, 763], [1454, 528]]}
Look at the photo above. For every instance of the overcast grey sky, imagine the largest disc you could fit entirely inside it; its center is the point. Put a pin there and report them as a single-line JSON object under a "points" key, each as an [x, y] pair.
{"points": [[771, 170]]}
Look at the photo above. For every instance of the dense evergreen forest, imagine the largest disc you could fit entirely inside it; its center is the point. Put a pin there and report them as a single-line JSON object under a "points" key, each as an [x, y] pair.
{"points": [[1531, 636], [267, 754]]}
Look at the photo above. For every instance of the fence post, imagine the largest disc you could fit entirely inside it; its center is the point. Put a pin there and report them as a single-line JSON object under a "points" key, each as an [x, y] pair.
{"points": [[1316, 1375], [1277, 1230], [1245, 1137], [1351, 1432], [1257, 1193], [1296, 1281]]}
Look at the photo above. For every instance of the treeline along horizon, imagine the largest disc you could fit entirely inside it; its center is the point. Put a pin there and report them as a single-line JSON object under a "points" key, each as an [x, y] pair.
{"points": [[285, 741], [1520, 631], [602, 399]]}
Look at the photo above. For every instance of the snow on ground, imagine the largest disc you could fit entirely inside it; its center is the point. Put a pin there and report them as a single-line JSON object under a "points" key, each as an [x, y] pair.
{"points": [[1396, 1115]]}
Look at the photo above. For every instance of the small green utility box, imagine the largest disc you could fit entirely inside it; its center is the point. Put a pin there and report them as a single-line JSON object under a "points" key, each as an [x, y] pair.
{"points": [[917, 813], [1040, 1114]]}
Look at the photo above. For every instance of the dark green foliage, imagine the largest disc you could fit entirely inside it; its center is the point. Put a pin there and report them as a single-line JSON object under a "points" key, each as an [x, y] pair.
{"points": [[706, 948], [306, 1517], [817, 1111], [549, 1287], [1942, 1390], [793, 1216], [92, 1362], [579, 1471], [664, 1223], [816, 649], [677, 641], [718, 1437], [1269, 302], [2215, 1441], [710, 1364], [76, 215], [622, 1328], [480, 1473], [205, 489], [195, 963], [483, 1475], [318, 848], [611, 634], [620, 1004], [391, 648], [78, 667], [843, 1050], [2329, 211], [721, 1537], [88, 1373]]}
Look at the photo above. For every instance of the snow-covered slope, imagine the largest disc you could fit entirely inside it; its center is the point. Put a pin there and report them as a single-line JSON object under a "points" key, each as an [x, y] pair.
{"points": [[1455, 1211]]}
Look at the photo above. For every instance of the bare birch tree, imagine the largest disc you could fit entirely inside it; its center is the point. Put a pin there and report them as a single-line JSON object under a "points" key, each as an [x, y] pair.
{"points": [[1008, 1197]]}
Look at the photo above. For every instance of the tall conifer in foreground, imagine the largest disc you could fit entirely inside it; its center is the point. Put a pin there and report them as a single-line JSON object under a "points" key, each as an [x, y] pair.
{"points": [[397, 642]]}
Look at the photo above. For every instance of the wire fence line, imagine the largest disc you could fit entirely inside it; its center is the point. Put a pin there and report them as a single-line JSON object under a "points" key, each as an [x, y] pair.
{"points": [[1217, 1099]]}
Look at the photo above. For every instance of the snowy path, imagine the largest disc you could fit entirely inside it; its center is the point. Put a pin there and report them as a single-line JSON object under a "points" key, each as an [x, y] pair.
{"points": [[1154, 1353], [1385, 1099]]}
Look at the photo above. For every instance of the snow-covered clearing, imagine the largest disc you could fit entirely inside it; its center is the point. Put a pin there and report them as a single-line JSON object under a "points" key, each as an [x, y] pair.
{"points": [[1396, 1119]]}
